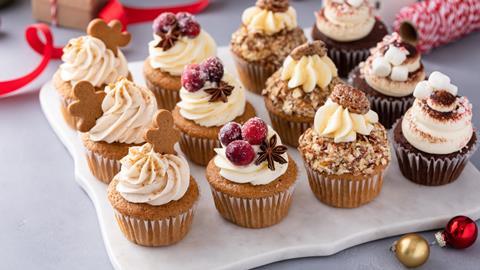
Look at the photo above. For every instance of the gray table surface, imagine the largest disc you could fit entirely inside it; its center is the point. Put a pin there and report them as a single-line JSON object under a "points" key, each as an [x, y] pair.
{"points": [[48, 222]]}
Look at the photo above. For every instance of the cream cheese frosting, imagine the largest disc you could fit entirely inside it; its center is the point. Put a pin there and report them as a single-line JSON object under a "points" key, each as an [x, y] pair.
{"points": [[87, 59], [266, 21], [253, 174], [185, 51], [196, 106], [128, 110], [149, 177]]}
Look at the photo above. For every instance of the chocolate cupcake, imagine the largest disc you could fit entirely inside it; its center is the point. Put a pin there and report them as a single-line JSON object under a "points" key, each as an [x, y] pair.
{"points": [[349, 29], [295, 91], [346, 152], [435, 138], [388, 78], [268, 33]]}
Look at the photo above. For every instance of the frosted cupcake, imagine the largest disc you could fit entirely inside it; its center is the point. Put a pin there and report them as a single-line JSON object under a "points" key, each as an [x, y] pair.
{"points": [[268, 33], [94, 58], [346, 152], [210, 98], [113, 120], [350, 29], [154, 188], [298, 89], [388, 78], [252, 177], [178, 40], [435, 139]]}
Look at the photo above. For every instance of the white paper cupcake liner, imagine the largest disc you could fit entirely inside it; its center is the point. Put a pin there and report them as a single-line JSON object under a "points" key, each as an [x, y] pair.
{"points": [[253, 75], [289, 131], [69, 118], [104, 169], [166, 99], [198, 150]]}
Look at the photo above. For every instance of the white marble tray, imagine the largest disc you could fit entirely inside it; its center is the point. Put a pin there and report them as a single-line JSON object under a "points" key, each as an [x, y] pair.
{"points": [[311, 228]]}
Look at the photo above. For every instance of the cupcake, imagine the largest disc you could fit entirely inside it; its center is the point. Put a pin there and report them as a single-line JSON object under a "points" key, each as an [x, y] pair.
{"points": [[435, 138], [346, 152], [113, 121], [295, 91], [94, 58], [177, 41], [154, 195], [268, 33], [252, 177], [210, 98], [388, 78], [350, 29]]}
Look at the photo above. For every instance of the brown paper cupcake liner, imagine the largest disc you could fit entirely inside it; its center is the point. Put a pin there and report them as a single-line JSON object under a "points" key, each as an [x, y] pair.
{"points": [[254, 212], [390, 111], [198, 150], [346, 60], [166, 99], [289, 131], [154, 233], [344, 193], [69, 118], [102, 168], [253, 75]]}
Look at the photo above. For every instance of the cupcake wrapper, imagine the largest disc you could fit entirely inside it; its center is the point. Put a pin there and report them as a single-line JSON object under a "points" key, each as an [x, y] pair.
{"points": [[344, 193], [154, 233], [166, 99], [289, 131], [346, 60], [198, 150], [390, 111], [254, 212], [69, 118], [102, 168], [253, 75]]}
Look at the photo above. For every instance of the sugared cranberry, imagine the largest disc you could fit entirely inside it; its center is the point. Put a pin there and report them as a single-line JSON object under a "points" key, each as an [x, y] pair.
{"points": [[188, 25], [193, 77], [164, 22], [230, 132], [240, 152], [254, 131], [214, 68]]}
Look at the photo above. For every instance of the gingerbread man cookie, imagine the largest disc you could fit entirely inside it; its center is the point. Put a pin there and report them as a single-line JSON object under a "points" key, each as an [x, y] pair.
{"points": [[88, 106], [163, 135], [111, 34]]}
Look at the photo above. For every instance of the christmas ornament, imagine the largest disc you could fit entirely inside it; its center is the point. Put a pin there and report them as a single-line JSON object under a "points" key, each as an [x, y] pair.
{"points": [[411, 250], [431, 23], [460, 232]]}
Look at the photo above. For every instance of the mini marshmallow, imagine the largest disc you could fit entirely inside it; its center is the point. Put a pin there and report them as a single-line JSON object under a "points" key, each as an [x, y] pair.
{"points": [[399, 73], [452, 89], [439, 80], [395, 55], [381, 67], [355, 3], [423, 90]]}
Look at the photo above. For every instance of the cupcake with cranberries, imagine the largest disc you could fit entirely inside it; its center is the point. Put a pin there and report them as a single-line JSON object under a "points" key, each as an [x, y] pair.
{"points": [[389, 76], [252, 177], [294, 92], [94, 58], [268, 33], [178, 40], [154, 188], [435, 138], [346, 152], [209, 99], [350, 29]]}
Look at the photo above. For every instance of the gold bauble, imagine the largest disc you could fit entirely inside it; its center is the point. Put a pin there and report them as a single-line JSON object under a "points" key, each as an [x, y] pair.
{"points": [[412, 250]]}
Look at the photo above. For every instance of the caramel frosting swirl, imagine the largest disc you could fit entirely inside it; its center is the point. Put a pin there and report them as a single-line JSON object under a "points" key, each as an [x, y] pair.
{"points": [[149, 177], [257, 19]]}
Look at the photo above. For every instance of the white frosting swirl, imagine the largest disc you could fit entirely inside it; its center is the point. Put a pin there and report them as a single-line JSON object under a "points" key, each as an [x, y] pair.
{"points": [[87, 59], [308, 72], [266, 21], [196, 106], [149, 177], [128, 110], [253, 174], [185, 51], [334, 121]]}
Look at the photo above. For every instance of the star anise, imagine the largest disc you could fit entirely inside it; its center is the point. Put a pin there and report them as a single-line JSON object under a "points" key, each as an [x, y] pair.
{"points": [[220, 93], [271, 152], [168, 39]]}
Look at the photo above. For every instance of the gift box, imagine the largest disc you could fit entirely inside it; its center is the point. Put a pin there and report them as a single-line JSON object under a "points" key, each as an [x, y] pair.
{"points": [[68, 13]]}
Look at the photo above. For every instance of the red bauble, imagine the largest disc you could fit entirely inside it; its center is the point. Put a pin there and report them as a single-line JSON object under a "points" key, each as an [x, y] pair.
{"points": [[460, 232]]}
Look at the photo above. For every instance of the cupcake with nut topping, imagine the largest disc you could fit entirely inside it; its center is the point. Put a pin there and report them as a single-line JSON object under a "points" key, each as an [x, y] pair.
{"points": [[178, 40], [209, 99], [350, 29], [435, 139], [252, 177], [294, 92], [346, 152], [388, 77], [268, 33]]}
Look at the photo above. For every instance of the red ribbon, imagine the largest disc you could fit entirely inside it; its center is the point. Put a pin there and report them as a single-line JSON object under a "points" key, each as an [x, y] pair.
{"points": [[112, 10]]}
